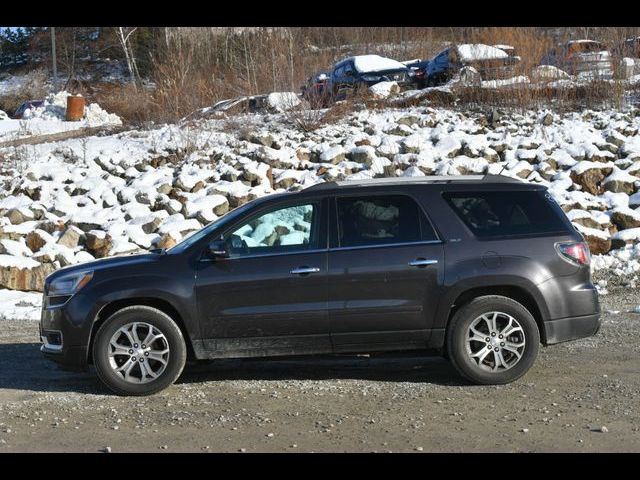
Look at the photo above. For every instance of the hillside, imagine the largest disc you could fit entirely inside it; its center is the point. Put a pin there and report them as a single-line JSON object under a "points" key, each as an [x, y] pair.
{"points": [[71, 201]]}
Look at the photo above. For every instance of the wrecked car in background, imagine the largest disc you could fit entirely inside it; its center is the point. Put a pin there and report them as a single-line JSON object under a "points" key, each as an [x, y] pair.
{"points": [[583, 58], [364, 71], [509, 50], [629, 48], [24, 106], [315, 91], [490, 62], [419, 69], [628, 58]]}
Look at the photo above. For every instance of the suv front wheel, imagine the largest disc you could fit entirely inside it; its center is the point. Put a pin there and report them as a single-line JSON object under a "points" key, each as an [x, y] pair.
{"points": [[492, 340], [139, 350]]}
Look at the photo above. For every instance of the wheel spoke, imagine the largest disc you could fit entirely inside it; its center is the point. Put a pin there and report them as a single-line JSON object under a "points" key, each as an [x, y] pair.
{"points": [[481, 354], [147, 371], [126, 366], [499, 360], [514, 345], [159, 357], [478, 338], [130, 378], [134, 332], [509, 329], [119, 350], [128, 335], [513, 350]]}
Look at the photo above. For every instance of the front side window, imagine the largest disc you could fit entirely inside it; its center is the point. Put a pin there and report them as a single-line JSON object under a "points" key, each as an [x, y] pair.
{"points": [[289, 229], [379, 220]]}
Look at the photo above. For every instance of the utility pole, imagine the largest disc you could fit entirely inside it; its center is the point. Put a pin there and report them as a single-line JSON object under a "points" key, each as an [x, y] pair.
{"points": [[53, 56]]}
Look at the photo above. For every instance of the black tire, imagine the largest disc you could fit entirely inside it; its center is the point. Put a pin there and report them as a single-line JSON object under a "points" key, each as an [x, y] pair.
{"points": [[159, 320], [458, 329]]}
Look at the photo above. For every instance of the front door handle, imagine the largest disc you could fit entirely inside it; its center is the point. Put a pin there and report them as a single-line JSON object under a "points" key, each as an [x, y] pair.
{"points": [[422, 262], [304, 270]]}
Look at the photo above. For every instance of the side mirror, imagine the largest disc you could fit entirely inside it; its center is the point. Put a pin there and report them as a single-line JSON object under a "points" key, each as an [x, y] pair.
{"points": [[218, 249]]}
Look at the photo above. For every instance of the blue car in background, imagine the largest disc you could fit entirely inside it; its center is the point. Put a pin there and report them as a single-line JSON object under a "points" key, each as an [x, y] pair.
{"points": [[24, 106], [491, 62], [363, 71]]}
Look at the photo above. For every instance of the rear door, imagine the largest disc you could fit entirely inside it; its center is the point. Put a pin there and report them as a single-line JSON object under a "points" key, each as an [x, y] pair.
{"points": [[385, 271]]}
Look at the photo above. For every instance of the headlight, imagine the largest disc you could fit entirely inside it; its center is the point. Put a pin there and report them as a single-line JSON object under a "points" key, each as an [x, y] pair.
{"points": [[69, 284], [371, 78]]}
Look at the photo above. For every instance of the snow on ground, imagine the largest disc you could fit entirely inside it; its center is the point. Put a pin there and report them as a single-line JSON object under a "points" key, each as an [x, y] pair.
{"points": [[16, 305]]}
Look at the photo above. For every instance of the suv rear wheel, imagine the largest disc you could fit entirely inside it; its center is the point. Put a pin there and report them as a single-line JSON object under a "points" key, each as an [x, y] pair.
{"points": [[492, 340], [139, 350]]}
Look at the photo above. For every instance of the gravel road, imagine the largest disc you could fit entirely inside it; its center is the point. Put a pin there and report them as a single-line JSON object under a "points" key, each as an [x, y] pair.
{"points": [[580, 396]]}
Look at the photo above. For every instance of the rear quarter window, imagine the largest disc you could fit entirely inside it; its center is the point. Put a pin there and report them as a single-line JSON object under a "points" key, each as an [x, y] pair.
{"points": [[498, 214]]}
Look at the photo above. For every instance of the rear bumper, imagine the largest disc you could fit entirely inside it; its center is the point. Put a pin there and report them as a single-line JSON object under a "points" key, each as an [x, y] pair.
{"points": [[571, 328]]}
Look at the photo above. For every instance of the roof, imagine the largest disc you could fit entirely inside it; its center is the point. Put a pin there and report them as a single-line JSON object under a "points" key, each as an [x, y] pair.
{"points": [[426, 180], [375, 63], [476, 52]]}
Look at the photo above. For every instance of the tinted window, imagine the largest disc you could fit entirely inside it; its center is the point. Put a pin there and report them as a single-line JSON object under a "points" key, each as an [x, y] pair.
{"points": [[507, 213], [380, 220], [283, 230]]}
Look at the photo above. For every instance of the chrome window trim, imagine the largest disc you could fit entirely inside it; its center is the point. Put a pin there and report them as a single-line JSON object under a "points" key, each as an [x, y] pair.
{"points": [[326, 250], [383, 245], [262, 255]]}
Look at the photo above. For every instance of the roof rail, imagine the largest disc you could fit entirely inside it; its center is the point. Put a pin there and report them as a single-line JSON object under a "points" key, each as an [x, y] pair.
{"points": [[414, 180]]}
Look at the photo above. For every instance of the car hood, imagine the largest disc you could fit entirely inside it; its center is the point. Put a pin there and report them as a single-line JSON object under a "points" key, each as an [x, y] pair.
{"points": [[385, 72], [105, 263]]}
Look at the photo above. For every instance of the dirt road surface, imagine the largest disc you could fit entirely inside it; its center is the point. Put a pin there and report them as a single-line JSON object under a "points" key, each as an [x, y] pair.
{"points": [[580, 396]]}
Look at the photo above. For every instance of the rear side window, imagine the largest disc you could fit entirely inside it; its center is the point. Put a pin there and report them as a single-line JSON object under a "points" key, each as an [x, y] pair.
{"points": [[496, 214], [379, 220]]}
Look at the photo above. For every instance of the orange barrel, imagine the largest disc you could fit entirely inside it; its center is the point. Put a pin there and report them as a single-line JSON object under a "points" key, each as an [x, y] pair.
{"points": [[75, 108]]}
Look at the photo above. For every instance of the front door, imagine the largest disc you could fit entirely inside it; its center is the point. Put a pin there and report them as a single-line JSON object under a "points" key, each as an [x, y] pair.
{"points": [[385, 272], [270, 296]]}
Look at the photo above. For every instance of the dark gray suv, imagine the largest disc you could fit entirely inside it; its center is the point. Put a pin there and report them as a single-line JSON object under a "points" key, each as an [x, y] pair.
{"points": [[481, 269]]}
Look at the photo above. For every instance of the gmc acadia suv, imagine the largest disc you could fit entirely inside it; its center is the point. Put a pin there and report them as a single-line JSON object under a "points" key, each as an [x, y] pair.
{"points": [[480, 269]]}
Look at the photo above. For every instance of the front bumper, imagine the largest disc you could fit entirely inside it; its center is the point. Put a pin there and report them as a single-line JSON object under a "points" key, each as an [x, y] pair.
{"points": [[71, 320], [571, 328], [70, 358]]}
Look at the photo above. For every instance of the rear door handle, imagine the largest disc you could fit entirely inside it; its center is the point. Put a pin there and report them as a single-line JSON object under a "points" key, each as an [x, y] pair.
{"points": [[422, 262], [304, 270]]}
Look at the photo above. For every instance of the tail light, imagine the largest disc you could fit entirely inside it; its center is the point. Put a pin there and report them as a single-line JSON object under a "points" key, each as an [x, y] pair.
{"points": [[575, 252]]}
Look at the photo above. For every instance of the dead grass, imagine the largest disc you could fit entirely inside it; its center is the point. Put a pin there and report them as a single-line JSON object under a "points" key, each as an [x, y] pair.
{"points": [[197, 70]]}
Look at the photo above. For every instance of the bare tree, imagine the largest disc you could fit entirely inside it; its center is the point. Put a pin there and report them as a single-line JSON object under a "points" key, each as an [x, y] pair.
{"points": [[124, 35]]}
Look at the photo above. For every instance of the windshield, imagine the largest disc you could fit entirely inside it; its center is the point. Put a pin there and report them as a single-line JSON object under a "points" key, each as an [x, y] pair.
{"points": [[200, 234]]}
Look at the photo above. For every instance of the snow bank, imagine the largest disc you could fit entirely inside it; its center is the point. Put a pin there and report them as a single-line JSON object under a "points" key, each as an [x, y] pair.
{"points": [[383, 89], [283, 101], [55, 108], [548, 72], [505, 82]]}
